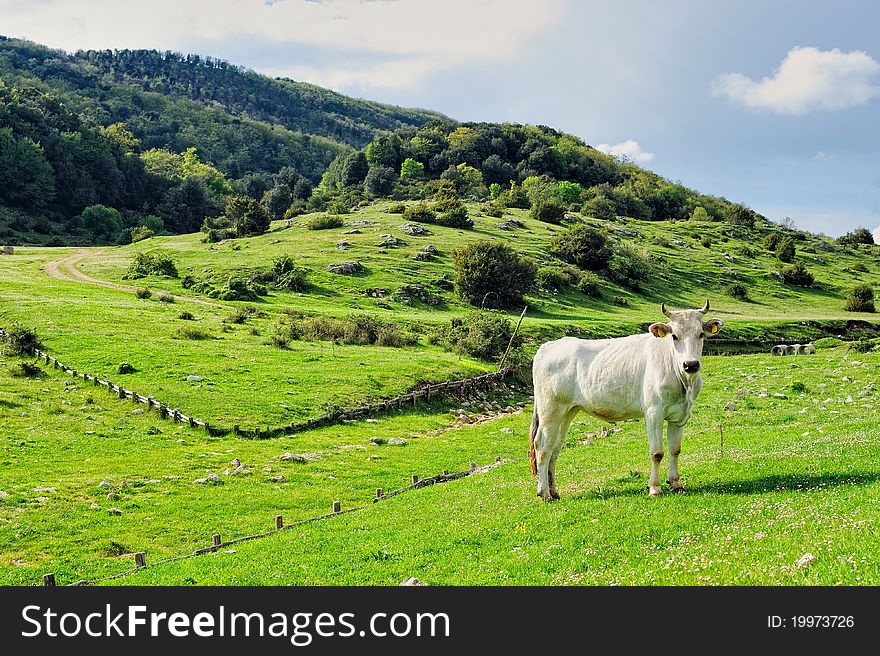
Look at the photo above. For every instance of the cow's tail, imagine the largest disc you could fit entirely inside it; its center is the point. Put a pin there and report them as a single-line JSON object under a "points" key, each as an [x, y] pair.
{"points": [[533, 433]]}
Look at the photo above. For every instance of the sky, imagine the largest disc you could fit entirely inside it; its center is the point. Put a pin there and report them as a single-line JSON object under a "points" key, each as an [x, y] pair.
{"points": [[774, 105]]}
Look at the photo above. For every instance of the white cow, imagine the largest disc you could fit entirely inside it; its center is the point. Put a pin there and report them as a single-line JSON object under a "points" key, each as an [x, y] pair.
{"points": [[655, 375]]}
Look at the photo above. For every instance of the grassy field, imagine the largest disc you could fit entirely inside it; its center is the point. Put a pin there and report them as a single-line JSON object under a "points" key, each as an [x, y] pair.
{"points": [[797, 475]]}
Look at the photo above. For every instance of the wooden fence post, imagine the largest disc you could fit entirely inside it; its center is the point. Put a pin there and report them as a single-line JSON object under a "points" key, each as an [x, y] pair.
{"points": [[279, 522], [337, 506], [378, 492], [415, 479], [49, 580], [215, 539], [140, 560], [512, 337]]}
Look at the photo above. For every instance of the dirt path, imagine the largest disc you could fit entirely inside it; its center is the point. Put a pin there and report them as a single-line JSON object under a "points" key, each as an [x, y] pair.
{"points": [[64, 268]]}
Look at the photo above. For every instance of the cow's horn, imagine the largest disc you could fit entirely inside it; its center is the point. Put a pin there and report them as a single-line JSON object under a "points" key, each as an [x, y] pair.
{"points": [[705, 307], [663, 309]]}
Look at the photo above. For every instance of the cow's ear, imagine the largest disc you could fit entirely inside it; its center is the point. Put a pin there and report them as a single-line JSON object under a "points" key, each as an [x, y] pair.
{"points": [[713, 326], [659, 329]]}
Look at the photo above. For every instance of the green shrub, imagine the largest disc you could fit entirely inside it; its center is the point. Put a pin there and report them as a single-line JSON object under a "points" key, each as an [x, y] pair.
{"points": [[590, 284], [860, 299], [165, 297], [738, 291], [630, 266], [26, 370], [187, 281], [548, 211], [338, 206], [700, 214], [144, 293], [420, 213], [193, 333], [706, 241], [19, 340], [247, 216], [797, 274], [492, 274], [861, 267], [600, 207], [452, 213], [125, 368], [359, 329], [140, 233], [494, 210], [583, 246], [243, 313], [151, 264], [799, 387], [771, 241], [555, 278], [324, 221], [516, 196], [397, 208], [186, 316], [481, 334], [786, 251], [864, 345], [857, 236]]}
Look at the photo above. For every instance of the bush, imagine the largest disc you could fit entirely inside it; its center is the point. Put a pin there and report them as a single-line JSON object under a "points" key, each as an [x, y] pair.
{"points": [[797, 274], [193, 333], [700, 214], [151, 264], [420, 213], [324, 221], [165, 297], [125, 368], [186, 316], [861, 267], [397, 208], [771, 241], [359, 329], [863, 345], [140, 233], [706, 241], [247, 216], [492, 274], [494, 210], [452, 213], [583, 246], [857, 236], [555, 278], [19, 340], [548, 211], [516, 196], [600, 208], [738, 291], [860, 299], [144, 293], [786, 251], [187, 281], [483, 335], [740, 215], [26, 370], [630, 266], [590, 285]]}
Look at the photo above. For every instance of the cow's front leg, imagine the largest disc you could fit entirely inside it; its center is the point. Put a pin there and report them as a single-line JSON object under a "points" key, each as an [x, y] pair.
{"points": [[673, 436], [654, 421]]}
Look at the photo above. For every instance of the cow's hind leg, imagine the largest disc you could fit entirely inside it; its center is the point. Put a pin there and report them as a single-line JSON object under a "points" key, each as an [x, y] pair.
{"points": [[562, 431], [548, 442], [673, 436]]}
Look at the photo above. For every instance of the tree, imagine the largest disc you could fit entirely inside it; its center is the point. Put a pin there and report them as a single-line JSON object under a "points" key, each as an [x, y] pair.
{"points": [[492, 274], [857, 236], [184, 207], [247, 216], [384, 151], [470, 181], [101, 221], [569, 192], [549, 211], [26, 177], [785, 250], [699, 214], [379, 181], [583, 246], [411, 170], [277, 200], [346, 170], [600, 207], [740, 215], [253, 185], [153, 222]]}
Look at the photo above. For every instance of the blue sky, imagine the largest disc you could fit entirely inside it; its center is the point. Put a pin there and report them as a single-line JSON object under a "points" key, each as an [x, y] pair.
{"points": [[771, 104]]}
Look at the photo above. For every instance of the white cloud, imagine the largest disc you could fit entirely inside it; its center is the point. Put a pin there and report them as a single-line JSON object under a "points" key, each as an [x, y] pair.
{"points": [[808, 79], [821, 156], [405, 41], [629, 150], [876, 234]]}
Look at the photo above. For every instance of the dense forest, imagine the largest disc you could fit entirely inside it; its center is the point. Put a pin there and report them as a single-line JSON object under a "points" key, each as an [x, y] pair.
{"points": [[106, 147]]}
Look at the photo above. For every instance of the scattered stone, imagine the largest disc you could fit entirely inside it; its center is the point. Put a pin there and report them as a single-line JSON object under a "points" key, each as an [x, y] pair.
{"points": [[730, 406], [137, 411], [375, 292], [422, 256], [114, 511], [377, 441], [112, 496], [390, 241], [406, 294], [213, 477], [94, 506], [412, 581], [343, 245], [415, 230], [362, 223], [805, 560], [396, 441], [4, 495], [107, 485], [506, 430], [352, 232], [430, 248], [153, 430], [346, 268], [382, 304], [195, 379], [278, 479], [296, 457]]}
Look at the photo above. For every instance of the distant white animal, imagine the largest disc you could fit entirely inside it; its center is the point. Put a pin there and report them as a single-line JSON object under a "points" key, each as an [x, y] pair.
{"points": [[655, 375], [778, 349], [809, 349]]}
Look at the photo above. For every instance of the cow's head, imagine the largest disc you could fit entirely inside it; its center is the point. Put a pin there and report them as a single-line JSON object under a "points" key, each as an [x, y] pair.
{"points": [[686, 330]]}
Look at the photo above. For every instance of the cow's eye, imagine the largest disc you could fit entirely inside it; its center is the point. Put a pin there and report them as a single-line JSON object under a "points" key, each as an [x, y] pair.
{"points": [[675, 338]]}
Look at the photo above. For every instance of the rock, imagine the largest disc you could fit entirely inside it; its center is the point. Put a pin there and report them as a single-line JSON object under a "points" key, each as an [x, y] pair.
{"points": [[137, 411], [415, 230], [213, 477], [412, 581], [396, 441], [296, 457], [406, 294], [805, 560], [346, 268], [235, 463], [383, 304], [352, 232], [730, 406], [278, 479], [377, 441], [430, 248], [343, 245], [107, 485], [422, 256], [390, 241], [195, 379], [114, 511], [507, 430]]}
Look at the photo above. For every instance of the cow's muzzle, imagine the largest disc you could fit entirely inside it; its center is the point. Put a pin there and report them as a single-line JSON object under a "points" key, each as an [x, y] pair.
{"points": [[691, 366]]}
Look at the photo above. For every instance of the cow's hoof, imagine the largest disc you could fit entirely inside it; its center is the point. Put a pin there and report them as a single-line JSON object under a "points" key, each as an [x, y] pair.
{"points": [[654, 491], [554, 495], [545, 496]]}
